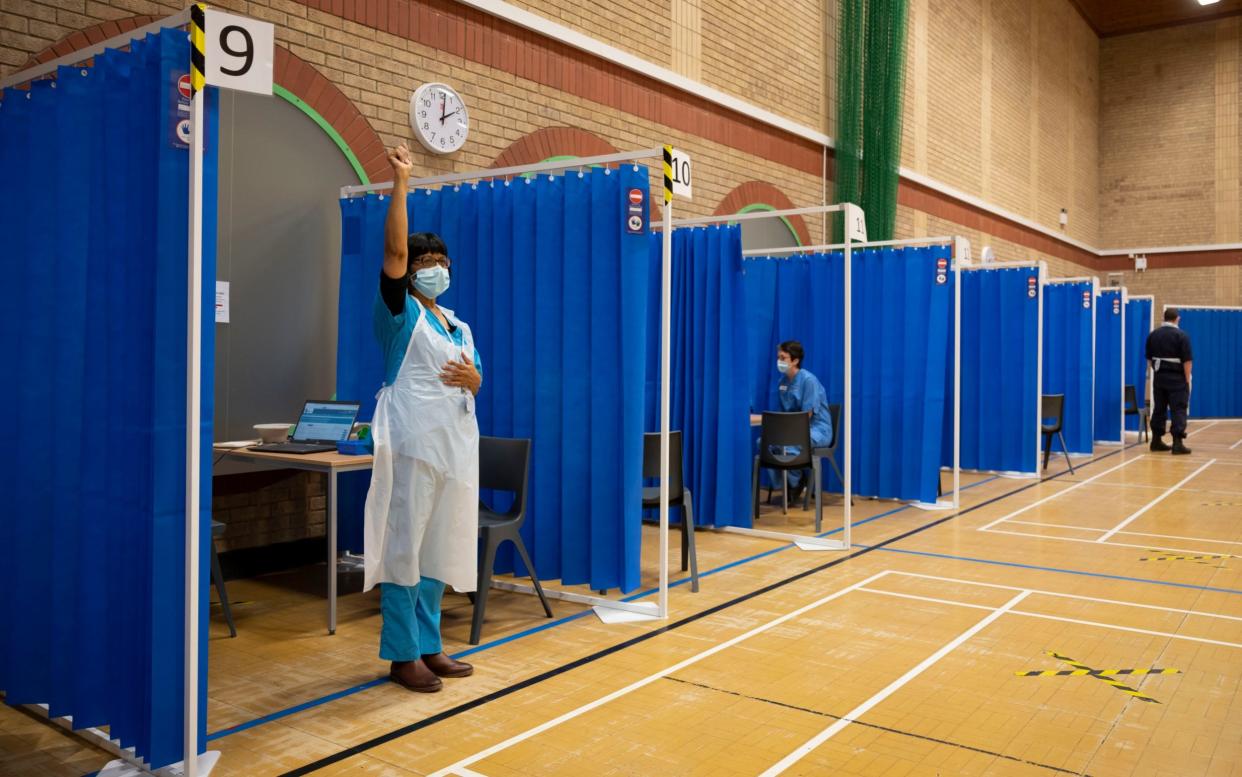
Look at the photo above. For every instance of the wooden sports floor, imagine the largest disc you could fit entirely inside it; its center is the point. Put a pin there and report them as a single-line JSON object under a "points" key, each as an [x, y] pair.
{"points": [[1086, 624]]}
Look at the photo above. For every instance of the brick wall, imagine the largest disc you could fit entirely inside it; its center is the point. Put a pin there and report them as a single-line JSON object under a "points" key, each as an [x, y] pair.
{"points": [[264, 508], [1169, 114], [773, 58], [1001, 94], [1192, 285], [640, 27], [1002, 103]]}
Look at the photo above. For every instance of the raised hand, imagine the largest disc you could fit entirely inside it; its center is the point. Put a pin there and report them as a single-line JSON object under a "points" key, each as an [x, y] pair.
{"points": [[402, 163]]}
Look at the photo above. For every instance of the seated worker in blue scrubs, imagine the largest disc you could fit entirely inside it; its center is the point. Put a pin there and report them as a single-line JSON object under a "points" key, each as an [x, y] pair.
{"points": [[800, 390]]}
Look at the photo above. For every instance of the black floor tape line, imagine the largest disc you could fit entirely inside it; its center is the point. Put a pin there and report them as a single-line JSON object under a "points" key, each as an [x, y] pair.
{"points": [[885, 729], [521, 685]]}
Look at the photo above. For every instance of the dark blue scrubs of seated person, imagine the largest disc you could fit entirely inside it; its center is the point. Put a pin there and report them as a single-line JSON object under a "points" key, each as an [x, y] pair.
{"points": [[801, 391]]}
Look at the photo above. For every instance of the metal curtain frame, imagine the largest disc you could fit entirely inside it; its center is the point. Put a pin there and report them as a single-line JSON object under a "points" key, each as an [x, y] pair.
{"points": [[960, 261], [1094, 280], [811, 542], [1168, 305], [1125, 298], [1042, 267], [192, 759], [914, 241], [960, 246], [660, 609], [1147, 376]]}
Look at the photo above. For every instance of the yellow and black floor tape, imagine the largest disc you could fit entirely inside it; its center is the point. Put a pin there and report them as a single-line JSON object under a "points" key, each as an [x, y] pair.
{"points": [[1166, 555], [1104, 675]]}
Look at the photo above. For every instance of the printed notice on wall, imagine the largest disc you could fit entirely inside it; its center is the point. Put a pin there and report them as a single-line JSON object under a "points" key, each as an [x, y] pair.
{"points": [[222, 302]]}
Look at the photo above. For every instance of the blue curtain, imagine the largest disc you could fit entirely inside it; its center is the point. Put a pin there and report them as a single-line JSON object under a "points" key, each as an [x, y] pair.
{"points": [[1068, 359], [1000, 369], [708, 404], [1109, 362], [901, 319], [92, 594], [1216, 338], [1138, 326], [555, 289]]}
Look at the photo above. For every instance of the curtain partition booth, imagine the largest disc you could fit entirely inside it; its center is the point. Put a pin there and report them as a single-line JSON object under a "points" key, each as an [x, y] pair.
{"points": [[562, 342], [852, 214], [1140, 320], [1216, 338], [103, 599], [898, 384], [1069, 356], [1001, 371], [1110, 366]]}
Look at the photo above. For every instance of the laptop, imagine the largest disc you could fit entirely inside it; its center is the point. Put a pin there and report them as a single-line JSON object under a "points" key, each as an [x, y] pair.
{"points": [[321, 426]]}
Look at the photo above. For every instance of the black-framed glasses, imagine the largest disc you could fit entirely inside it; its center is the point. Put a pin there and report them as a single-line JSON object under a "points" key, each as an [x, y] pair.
{"points": [[430, 260]]}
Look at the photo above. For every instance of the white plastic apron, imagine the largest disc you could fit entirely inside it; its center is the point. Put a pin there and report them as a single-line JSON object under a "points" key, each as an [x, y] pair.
{"points": [[422, 510]]}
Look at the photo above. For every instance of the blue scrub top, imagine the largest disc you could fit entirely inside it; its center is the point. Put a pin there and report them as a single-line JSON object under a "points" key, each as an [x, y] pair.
{"points": [[805, 393], [394, 332]]}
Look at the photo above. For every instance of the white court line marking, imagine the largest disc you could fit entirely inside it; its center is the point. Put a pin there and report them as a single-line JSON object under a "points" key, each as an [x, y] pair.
{"points": [[1154, 502], [1136, 533], [513, 740], [1078, 485], [1235, 445], [1110, 544], [1061, 618], [1198, 429], [889, 690], [932, 599], [1186, 637], [1080, 597]]}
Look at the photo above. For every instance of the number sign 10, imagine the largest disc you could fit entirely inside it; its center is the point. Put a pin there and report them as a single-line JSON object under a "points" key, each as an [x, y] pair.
{"points": [[681, 175]]}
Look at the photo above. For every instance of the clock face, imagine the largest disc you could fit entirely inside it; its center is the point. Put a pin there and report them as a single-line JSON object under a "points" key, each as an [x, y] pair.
{"points": [[439, 118]]}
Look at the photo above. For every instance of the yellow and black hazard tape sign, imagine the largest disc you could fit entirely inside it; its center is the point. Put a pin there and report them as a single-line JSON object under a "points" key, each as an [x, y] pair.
{"points": [[198, 47], [1105, 675], [1165, 555], [668, 174]]}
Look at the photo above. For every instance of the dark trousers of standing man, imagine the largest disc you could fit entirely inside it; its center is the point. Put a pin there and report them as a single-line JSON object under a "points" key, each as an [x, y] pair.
{"points": [[1171, 395]]}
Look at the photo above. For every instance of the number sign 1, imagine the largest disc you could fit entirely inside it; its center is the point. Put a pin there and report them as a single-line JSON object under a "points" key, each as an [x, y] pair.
{"points": [[239, 52]]}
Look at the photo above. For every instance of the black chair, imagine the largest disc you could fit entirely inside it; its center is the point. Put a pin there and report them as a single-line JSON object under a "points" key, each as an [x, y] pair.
{"points": [[829, 452], [1143, 413], [504, 465], [782, 431], [1052, 406], [217, 578], [678, 495]]}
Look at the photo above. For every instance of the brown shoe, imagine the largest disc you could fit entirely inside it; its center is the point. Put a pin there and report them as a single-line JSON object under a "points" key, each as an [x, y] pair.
{"points": [[444, 666], [415, 676]]}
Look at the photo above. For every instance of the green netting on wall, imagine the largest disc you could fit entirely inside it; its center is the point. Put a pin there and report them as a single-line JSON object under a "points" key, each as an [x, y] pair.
{"points": [[871, 57]]}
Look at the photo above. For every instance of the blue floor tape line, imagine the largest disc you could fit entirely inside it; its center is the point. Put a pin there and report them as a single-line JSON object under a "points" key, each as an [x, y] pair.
{"points": [[1058, 570], [543, 627]]}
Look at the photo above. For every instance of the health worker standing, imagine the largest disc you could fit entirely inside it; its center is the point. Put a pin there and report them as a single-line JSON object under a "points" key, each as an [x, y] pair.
{"points": [[422, 510]]}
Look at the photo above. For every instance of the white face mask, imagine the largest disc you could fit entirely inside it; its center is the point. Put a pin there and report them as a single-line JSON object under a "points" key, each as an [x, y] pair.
{"points": [[782, 367], [431, 282]]}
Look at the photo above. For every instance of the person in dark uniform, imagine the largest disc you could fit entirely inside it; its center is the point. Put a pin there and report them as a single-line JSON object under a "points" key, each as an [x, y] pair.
{"points": [[1168, 353]]}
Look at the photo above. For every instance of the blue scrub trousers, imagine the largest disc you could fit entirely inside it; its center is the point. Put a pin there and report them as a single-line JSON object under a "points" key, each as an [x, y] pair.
{"points": [[411, 615]]}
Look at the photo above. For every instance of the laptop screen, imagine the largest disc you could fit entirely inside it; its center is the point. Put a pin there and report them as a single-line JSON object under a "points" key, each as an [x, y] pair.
{"points": [[325, 421]]}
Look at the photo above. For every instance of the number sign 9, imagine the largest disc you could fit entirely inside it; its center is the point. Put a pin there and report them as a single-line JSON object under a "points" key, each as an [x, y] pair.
{"points": [[239, 52]]}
